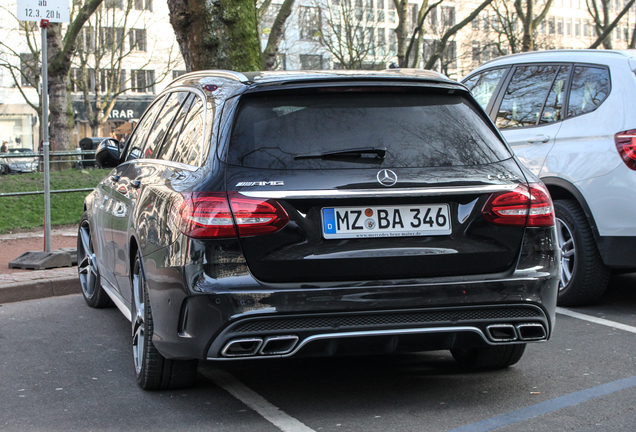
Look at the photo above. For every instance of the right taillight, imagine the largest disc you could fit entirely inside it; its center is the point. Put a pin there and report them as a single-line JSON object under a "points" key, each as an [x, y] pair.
{"points": [[217, 215], [626, 146], [529, 205]]}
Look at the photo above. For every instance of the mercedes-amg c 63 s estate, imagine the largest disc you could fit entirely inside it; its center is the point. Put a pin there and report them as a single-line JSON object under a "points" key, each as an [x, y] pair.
{"points": [[262, 215]]}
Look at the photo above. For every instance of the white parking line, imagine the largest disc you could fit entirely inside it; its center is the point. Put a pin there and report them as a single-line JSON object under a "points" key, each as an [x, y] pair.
{"points": [[255, 401], [601, 321]]}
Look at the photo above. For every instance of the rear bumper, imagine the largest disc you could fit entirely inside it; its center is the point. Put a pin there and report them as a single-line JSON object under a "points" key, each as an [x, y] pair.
{"points": [[196, 315]]}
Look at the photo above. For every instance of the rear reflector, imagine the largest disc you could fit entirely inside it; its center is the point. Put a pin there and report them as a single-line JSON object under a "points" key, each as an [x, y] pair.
{"points": [[211, 215], [524, 206], [626, 146]]}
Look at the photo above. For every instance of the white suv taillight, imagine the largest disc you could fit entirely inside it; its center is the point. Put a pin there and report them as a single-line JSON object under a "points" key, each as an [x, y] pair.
{"points": [[217, 215], [524, 206], [626, 146]]}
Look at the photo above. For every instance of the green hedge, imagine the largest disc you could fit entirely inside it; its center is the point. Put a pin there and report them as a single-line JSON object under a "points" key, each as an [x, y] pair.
{"points": [[28, 211]]}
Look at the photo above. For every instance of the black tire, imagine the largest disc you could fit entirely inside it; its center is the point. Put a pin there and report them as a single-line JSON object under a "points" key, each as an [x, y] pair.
{"points": [[584, 277], [493, 357], [154, 372], [90, 280]]}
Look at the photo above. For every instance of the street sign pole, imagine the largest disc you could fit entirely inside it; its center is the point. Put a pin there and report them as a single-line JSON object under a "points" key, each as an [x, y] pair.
{"points": [[44, 24], [45, 11]]}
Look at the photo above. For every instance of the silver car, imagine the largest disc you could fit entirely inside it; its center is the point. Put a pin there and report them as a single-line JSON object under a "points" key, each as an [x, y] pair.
{"points": [[568, 116]]}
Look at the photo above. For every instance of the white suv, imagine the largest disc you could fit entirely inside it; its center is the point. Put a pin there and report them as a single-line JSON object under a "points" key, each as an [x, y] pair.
{"points": [[569, 116]]}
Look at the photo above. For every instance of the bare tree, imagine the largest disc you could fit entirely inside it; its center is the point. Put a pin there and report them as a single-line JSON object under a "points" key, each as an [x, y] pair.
{"points": [[110, 38], [350, 35], [24, 67], [276, 31], [61, 41], [530, 20], [441, 44], [600, 12]]}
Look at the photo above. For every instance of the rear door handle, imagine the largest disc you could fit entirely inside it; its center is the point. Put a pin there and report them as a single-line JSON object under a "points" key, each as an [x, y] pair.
{"points": [[538, 139]]}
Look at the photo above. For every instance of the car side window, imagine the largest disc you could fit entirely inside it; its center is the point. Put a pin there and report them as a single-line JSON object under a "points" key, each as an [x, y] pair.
{"points": [[590, 87], [138, 138], [525, 96], [161, 125], [483, 85], [553, 110], [190, 143], [169, 144]]}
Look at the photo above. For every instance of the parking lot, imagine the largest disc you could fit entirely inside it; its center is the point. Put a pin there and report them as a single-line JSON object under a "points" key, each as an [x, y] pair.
{"points": [[68, 367]]}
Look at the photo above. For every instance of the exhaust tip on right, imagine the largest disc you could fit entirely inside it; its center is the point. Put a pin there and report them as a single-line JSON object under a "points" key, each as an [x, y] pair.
{"points": [[531, 332], [242, 347]]}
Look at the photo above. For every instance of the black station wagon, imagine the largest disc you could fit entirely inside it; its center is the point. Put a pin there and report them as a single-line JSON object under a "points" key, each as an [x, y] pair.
{"points": [[264, 215]]}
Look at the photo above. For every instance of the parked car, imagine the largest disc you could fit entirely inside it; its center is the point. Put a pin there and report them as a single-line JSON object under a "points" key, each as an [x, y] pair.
{"points": [[88, 144], [22, 160], [566, 115], [267, 215]]}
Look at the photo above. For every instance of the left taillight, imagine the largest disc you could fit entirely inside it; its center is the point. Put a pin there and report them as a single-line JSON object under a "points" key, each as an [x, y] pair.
{"points": [[220, 215], [626, 145], [529, 205]]}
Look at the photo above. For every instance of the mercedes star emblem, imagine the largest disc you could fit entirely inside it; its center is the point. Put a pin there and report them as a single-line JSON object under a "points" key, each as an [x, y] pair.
{"points": [[387, 177]]}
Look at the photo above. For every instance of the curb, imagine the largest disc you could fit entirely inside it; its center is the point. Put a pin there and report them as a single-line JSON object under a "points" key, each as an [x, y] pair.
{"points": [[37, 289]]}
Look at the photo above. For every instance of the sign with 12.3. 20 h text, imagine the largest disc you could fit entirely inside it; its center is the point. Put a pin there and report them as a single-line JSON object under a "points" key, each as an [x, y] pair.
{"points": [[37, 10]]}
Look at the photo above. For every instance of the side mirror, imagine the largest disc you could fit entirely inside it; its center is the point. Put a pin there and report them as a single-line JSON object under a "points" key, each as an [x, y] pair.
{"points": [[108, 153]]}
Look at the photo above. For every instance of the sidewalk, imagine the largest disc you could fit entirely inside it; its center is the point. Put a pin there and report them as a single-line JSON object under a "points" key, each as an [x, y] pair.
{"points": [[18, 285]]}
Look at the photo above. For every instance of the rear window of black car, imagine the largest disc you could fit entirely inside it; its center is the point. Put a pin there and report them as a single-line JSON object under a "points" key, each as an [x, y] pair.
{"points": [[417, 129]]}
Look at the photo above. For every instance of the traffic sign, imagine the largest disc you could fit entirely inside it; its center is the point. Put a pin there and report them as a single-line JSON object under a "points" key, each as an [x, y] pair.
{"points": [[37, 10]]}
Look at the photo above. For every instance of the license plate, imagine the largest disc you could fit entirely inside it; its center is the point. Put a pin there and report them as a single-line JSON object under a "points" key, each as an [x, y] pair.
{"points": [[395, 221]]}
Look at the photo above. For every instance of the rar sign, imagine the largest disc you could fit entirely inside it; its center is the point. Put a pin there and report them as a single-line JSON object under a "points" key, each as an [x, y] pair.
{"points": [[37, 10]]}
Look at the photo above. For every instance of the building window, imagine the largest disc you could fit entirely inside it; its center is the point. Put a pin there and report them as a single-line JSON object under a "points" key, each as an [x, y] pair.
{"points": [[392, 11], [112, 4], [138, 39], [560, 26], [87, 39], [392, 43], [177, 73], [143, 5], [112, 38], [476, 52], [310, 62], [309, 23], [267, 21], [382, 41], [586, 28], [448, 16], [380, 6], [551, 25], [475, 23], [568, 26], [142, 81], [105, 77], [28, 68], [577, 27]]}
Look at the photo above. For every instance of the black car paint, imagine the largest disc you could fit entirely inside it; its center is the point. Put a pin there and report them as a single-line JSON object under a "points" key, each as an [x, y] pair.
{"points": [[198, 287]]}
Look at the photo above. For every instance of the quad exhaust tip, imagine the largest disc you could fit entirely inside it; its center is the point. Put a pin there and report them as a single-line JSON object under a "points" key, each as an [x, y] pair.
{"points": [[502, 332], [521, 332], [531, 332], [249, 347], [278, 345], [242, 347]]}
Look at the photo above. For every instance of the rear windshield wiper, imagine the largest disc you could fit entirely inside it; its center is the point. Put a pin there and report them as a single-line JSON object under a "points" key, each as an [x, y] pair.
{"points": [[362, 152]]}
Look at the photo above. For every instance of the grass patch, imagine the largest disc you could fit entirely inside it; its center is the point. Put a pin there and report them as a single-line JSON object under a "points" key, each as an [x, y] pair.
{"points": [[20, 212]]}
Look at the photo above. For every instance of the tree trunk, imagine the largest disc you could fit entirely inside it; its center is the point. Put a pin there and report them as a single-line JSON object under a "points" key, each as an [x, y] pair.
{"points": [[59, 130], [271, 50], [217, 34], [401, 31]]}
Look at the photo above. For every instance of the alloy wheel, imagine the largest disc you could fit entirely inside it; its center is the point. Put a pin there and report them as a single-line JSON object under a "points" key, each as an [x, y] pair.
{"points": [[138, 324], [568, 253], [86, 267]]}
